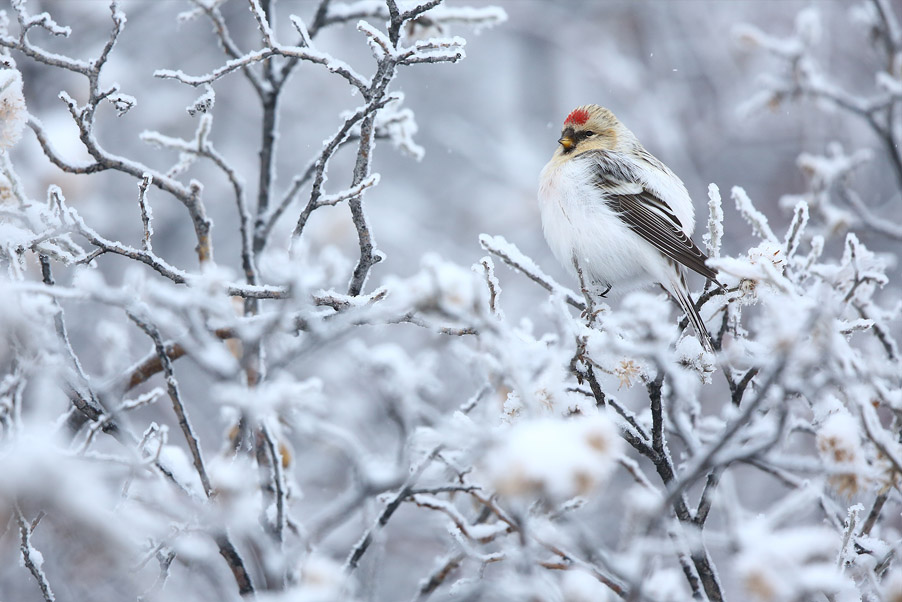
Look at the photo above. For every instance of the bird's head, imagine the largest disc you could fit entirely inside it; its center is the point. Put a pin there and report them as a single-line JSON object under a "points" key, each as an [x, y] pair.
{"points": [[590, 127]]}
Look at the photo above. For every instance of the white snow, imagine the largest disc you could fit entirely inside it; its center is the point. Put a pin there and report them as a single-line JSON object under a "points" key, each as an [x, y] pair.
{"points": [[553, 457]]}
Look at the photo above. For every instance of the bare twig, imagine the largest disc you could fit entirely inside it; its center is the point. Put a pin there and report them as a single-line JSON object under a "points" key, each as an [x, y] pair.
{"points": [[175, 396], [146, 216], [510, 255]]}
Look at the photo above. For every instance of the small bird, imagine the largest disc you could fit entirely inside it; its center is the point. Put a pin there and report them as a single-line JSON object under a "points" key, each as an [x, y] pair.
{"points": [[617, 214]]}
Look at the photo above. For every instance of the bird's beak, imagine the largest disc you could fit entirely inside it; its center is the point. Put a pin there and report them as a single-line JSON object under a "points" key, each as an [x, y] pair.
{"points": [[566, 142]]}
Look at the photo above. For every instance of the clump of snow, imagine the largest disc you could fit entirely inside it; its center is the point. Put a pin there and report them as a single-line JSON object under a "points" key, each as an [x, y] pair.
{"points": [[229, 477], [763, 265], [580, 586], [278, 394], [667, 585], [788, 564], [204, 103], [824, 170], [556, 458], [400, 125], [320, 579], [891, 588], [13, 114], [456, 288], [692, 355], [639, 322], [714, 235], [122, 102], [808, 26], [755, 218], [323, 576]]}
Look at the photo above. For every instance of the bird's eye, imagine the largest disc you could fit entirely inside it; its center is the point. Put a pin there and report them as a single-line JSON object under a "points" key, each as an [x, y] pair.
{"points": [[588, 133]]}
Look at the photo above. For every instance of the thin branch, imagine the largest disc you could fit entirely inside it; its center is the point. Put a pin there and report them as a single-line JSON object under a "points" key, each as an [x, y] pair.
{"points": [[512, 256], [706, 499], [336, 66], [175, 396], [274, 461], [874, 514], [153, 363], [228, 44], [33, 560], [146, 215], [391, 507], [705, 462], [737, 390], [438, 576], [319, 170], [883, 226]]}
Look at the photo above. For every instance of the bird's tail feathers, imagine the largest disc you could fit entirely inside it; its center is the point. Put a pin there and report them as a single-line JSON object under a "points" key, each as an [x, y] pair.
{"points": [[681, 292]]}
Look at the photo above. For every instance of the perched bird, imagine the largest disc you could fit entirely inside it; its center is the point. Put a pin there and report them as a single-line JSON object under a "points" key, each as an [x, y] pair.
{"points": [[617, 214]]}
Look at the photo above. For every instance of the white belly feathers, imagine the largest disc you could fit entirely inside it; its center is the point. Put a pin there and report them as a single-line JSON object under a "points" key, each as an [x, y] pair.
{"points": [[578, 223]]}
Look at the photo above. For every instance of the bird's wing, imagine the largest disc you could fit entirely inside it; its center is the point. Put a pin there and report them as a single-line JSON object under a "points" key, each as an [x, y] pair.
{"points": [[646, 214]]}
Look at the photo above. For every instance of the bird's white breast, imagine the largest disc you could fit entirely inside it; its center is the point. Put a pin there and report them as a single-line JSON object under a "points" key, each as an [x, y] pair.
{"points": [[577, 222]]}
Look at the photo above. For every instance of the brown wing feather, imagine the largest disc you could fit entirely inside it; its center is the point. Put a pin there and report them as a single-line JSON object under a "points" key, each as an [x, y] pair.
{"points": [[660, 231], [648, 215]]}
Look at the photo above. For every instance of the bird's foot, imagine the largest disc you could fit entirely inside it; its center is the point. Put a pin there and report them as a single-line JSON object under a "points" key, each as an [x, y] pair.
{"points": [[590, 314]]}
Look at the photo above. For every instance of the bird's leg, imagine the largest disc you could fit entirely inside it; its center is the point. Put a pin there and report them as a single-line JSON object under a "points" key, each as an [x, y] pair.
{"points": [[589, 313]]}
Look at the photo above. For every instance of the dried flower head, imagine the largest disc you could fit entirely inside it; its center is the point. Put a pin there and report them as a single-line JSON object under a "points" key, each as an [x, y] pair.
{"points": [[626, 371], [553, 458], [12, 108], [840, 448]]}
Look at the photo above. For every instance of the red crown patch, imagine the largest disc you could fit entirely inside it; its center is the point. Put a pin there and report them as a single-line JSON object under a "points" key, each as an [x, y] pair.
{"points": [[578, 117]]}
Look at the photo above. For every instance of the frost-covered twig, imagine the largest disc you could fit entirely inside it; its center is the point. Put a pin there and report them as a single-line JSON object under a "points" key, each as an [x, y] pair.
{"points": [[146, 214], [882, 226], [714, 235], [666, 470], [319, 170], [32, 558], [267, 53], [227, 43], [175, 396], [755, 218], [152, 364], [391, 507], [273, 460], [159, 265], [84, 117], [806, 79], [512, 256], [202, 147], [438, 576], [877, 435], [706, 461], [404, 492]]}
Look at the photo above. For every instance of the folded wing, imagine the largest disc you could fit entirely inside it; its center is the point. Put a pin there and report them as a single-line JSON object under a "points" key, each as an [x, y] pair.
{"points": [[648, 215]]}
